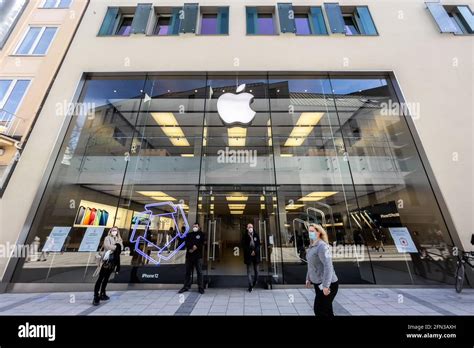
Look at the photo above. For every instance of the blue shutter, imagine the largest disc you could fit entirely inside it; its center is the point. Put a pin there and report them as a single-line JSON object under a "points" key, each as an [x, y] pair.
{"points": [[109, 21], [286, 16], [223, 20], [175, 21], [251, 20], [441, 17], [188, 23], [318, 26], [367, 26], [336, 21], [467, 18], [140, 19]]}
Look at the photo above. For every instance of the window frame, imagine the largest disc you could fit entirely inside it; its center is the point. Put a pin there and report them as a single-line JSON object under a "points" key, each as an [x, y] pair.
{"points": [[351, 11], [263, 10], [56, 5], [118, 24], [451, 10], [201, 17], [155, 25], [35, 42], [8, 93], [308, 18]]}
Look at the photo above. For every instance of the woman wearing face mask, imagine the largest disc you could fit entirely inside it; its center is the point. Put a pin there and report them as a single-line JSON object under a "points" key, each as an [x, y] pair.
{"points": [[113, 245], [321, 273]]}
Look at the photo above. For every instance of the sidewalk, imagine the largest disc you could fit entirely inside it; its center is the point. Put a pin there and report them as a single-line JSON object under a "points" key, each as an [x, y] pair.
{"points": [[349, 301]]}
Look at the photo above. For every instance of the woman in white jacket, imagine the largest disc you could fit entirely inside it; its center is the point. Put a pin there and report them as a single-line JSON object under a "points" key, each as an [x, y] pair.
{"points": [[113, 245]]}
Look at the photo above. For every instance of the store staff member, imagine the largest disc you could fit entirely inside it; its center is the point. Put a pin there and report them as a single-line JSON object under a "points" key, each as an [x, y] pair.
{"points": [[193, 244]]}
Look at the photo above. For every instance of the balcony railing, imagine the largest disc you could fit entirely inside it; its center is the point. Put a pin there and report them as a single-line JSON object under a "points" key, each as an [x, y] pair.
{"points": [[9, 123]]}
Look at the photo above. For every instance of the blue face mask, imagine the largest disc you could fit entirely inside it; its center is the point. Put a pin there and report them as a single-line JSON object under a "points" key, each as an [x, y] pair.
{"points": [[312, 235]]}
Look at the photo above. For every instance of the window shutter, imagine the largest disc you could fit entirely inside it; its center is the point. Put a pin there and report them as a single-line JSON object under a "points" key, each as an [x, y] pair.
{"points": [[367, 26], [188, 23], [336, 21], [223, 20], [286, 16], [175, 21], [140, 19], [467, 18], [441, 17], [318, 26], [251, 20], [109, 21]]}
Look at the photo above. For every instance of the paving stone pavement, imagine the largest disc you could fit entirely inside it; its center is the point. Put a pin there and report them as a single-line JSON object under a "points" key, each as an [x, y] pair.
{"points": [[298, 301]]}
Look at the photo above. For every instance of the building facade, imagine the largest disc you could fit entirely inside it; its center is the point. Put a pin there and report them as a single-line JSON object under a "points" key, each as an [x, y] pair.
{"points": [[356, 115]]}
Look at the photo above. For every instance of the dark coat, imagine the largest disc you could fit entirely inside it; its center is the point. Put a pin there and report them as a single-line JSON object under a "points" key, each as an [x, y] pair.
{"points": [[248, 258], [197, 239]]}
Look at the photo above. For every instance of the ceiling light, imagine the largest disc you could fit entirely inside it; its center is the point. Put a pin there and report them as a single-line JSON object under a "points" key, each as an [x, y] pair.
{"points": [[187, 155], [236, 212], [317, 196], [236, 206], [237, 136], [294, 206], [170, 126], [237, 198], [304, 126]]}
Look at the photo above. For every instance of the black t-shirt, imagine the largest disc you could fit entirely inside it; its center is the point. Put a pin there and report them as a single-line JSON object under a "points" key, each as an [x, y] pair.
{"points": [[197, 239]]}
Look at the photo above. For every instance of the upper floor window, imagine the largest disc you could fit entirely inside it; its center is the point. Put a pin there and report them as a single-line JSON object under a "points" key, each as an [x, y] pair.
{"points": [[124, 27], [12, 93], [260, 21], [36, 41], [56, 4], [10, 11], [350, 20], [301, 20], [214, 21], [456, 19], [163, 24]]}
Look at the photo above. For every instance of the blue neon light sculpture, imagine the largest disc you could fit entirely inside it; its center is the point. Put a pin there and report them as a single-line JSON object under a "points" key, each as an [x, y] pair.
{"points": [[142, 239]]}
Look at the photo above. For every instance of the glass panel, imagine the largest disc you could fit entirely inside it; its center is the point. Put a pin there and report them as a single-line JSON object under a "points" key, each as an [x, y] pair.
{"points": [[441, 17], [45, 41], [302, 24], [209, 24], [125, 26], [14, 99], [350, 25], [9, 13], [64, 3], [88, 174], [49, 4], [313, 177], [28, 41], [236, 145], [392, 189], [265, 24], [163, 25], [4, 85]]}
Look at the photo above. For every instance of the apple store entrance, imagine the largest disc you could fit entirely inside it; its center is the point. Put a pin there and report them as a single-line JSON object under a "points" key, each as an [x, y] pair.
{"points": [[272, 149]]}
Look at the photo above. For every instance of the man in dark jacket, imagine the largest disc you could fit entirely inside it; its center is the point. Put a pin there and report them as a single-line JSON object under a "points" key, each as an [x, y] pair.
{"points": [[193, 244], [251, 247]]}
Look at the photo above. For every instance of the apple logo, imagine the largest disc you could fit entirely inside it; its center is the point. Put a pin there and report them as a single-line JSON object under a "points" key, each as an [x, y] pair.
{"points": [[235, 108]]}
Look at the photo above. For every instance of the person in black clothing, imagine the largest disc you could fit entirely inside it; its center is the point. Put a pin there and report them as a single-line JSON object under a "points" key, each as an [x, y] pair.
{"points": [[193, 244], [251, 247]]}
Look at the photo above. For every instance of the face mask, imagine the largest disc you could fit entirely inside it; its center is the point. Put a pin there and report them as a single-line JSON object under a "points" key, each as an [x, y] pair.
{"points": [[312, 235], [195, 229], [114, 233], [250, 229]]}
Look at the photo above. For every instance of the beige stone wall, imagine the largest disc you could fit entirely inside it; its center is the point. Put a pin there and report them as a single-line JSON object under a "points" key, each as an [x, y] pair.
{"points": [[433, 69]]}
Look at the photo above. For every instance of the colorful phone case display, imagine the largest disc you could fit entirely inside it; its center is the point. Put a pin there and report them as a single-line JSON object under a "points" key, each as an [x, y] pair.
{"points": [[91, 217]]}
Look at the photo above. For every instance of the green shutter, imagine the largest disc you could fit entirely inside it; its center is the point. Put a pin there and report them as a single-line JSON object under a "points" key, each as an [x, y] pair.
{"points": [[367, 26], [286, 16], [467, 18], [175, 21], [109, 21], [188, 23], [336, 21], [223, 20], [251, 20], [318, 26], [140, 19]]}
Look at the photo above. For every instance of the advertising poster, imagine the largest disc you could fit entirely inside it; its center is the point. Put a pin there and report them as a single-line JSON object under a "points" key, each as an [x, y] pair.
{"points": [[56, 239], [403, 241], [91, 239]]}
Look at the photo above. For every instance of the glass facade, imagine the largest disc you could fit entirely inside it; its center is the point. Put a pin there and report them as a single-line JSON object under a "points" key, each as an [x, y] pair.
{"points": [[331, 149]]}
